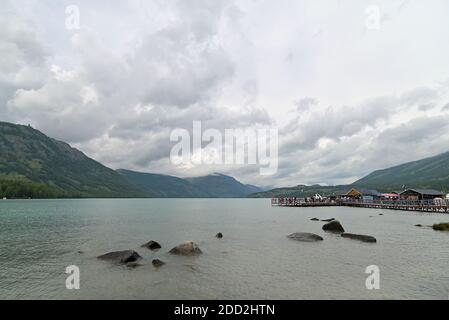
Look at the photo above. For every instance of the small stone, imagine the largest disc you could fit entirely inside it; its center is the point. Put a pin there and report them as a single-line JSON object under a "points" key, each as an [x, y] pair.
{"points": [[334, 226], [152, 245], [121, 256], [157, 263], [186, 248], [133, 265], [219, 235], [305, 237], [360, 237]]}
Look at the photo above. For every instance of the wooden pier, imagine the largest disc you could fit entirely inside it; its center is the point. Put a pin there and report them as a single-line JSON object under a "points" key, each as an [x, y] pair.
{"points": [[437, 205]]}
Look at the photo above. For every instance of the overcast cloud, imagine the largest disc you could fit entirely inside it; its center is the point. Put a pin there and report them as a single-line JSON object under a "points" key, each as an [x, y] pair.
{"points": [[347, 98]]}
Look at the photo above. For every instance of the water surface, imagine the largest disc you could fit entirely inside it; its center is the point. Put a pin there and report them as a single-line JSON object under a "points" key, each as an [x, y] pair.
{"points": [[254, 260]]}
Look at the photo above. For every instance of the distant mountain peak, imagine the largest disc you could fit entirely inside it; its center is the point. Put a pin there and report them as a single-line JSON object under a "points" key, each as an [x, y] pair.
{"points": [[214, 185]]}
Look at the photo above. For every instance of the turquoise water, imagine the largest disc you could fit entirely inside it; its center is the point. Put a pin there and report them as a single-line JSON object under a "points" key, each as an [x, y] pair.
{"points": [[254, 260]]}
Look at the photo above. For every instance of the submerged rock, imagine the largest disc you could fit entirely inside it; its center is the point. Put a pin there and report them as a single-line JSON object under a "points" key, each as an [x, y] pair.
{"points": [[187, 248], [121, 256], [305, 236], [441, 226], [360, 237], [157, 263], [328, 220], [334, 226], [314, 219], [219, 235], [152, 245], [419, 225], [133, 264]]}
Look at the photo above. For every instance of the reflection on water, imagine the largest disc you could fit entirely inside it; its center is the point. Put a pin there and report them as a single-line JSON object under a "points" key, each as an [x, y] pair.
{"points": [[254, 260]]}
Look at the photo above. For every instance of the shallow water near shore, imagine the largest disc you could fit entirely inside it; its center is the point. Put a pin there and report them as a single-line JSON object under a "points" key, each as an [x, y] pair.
{"points": [[254, 260]]}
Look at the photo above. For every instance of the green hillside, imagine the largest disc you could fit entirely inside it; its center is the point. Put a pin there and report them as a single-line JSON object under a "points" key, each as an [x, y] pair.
{"points": [[429, 173], [300, 191], [34, 165]]}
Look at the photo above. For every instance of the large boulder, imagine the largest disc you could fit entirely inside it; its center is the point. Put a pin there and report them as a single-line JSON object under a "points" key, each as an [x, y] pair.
{"points": [[152, 245], [121, 256], [187, 248], [360, 237], [305, 236], [334, 226]]}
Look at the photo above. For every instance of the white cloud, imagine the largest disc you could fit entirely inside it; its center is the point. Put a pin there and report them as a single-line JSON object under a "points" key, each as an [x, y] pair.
{"points": [[346, 99]]}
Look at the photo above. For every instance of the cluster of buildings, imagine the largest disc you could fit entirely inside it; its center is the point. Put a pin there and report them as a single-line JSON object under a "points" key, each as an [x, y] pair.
{"points": [[371, 195]]}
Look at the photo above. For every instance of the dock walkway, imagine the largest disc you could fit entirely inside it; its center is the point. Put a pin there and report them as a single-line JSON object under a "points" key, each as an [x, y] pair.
{"points": [[437, 205]]}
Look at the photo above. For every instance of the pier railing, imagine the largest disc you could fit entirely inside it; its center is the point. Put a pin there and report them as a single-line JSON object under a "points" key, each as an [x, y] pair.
{"points": [[435, 205], [301, 202], [419, 203]]}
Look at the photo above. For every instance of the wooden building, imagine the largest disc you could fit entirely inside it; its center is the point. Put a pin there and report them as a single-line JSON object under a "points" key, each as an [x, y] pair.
{"points": [[356, 193], [421, 194]]}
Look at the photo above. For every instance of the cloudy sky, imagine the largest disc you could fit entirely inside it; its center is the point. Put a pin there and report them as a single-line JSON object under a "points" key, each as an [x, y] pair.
{"points": [[352, 86]]}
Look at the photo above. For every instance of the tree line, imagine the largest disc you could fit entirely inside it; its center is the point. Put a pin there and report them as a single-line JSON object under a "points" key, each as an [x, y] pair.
{"points": [[21, 189]]}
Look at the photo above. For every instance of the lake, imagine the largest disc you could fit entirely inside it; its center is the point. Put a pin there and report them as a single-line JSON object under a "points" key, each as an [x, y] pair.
{"points": [[254, 260]]}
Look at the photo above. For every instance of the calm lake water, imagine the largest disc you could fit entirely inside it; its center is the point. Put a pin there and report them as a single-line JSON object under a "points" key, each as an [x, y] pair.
{"points": [[254, 260]]}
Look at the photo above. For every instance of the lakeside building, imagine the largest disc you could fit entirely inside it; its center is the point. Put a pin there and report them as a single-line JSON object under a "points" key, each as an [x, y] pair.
{"points": [[421, 194], [371, 195], [359, 193]]}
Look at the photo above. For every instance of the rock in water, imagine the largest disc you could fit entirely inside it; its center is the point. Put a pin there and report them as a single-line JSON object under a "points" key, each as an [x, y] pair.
{"points": [[441, 226], [328, 220], [187, 248], [333, 226], [157, 263], [304, 236], [360, 237], [152, 245], [219, 235], [133, 265], [314, 219], [121, 256]]}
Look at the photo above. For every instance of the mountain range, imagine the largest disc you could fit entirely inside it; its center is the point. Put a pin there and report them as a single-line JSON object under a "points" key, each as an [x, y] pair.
{"points": [[212, 186], [33, 165]]}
